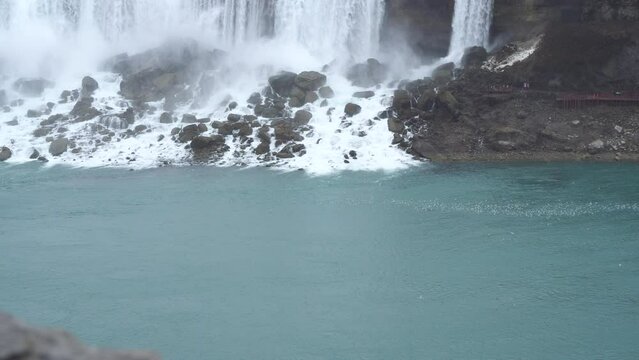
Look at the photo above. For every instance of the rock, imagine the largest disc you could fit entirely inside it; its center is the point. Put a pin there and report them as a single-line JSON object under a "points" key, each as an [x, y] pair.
{"points": [[302, 117], [89, 86], [367, 74], [427, 100], [596, 146], [618, 129], [326, 92], [443, 74], [234, 117], [510, 139], [41, 132], [188, 133], [13, 122], [285, 131], [232, 105], [166, 118], [128, 115], [244, 129], [352, 109], [140, 128], [150, 85], [21, 342], [311, 97], [395, 125], [34, 155], [448, 101], [5, 154], [310, 80], [264, 134], [402, 104], [474, 57], [282, 83], [34, 113], [31, 87], [255, 99], [83, 110], [207, 142], [263, 148], [364, 94], [189, 119], [58, 146]]}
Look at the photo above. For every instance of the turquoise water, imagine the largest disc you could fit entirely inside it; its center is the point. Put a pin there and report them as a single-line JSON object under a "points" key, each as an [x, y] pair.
{"points": [[440, 262]]}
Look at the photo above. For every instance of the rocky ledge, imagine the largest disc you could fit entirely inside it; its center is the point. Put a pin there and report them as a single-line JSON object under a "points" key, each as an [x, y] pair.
{"points": [[21, 342], [494, 108]]}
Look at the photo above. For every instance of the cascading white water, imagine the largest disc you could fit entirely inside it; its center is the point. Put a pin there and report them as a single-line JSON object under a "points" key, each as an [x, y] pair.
{"points": [[471, 25], [63, 40]]}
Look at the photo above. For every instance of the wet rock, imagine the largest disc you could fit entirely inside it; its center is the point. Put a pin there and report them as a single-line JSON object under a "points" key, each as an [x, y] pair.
{"points": [[13, 122], [232, 106], [140, 128], [427, 100], [58, 146], [367, 74], [34, 155], [352, 109], [449, 102], [263, 148], [395, 125], [189, 119], [83, 110], [207, 142], [150, 85], [364, 94], [326, 92], [188, 133], [311, 97], [234, 117], [302, 117], [244, 129], [285, 131], [89, 86], [5, 153], [166, 118], [41, 132], [443, 74], [310, 80], [282, 83], [31, 87], [402, 104], [264, 134], [474, 57], [254, 99], [128, 115], [34, 113]]}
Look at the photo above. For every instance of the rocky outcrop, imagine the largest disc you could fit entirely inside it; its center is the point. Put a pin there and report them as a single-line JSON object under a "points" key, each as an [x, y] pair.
{"points": [[21, 342], [31, 87], [5, 153]]}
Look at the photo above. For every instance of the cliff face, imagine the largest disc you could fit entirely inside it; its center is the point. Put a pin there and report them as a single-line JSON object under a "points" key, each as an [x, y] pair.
{"points": [[426, 24]]}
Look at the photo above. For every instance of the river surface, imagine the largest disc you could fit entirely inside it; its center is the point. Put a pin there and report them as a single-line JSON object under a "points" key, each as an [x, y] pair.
{"points": [[437, 262]]}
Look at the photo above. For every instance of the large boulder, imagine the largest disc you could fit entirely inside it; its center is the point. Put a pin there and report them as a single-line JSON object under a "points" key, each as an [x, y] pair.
{"points": [[352, 109], [402, 104], [5, 153], [89, 86], [214, 142], [83, 110], [152, 84], [310, 80], [189, 133], [21, 342], [474, 57], [368, 74], [443, 73], [282, 83], [31, 87], [59, 146]]}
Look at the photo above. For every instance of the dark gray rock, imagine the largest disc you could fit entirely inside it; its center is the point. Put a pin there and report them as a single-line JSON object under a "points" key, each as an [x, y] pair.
{"points": [[302, 117], [166, 118], [474, 57], [59, 146], [33, 113], [282, 83], [207, 142], [352, 109], [364, 94], [395, 125], [255, 99], [443, 73], [34, 155], [263, 148], [188, 133], [41, 132], [89, 86], [326, 92], [189, 119], [83, 110], [310, 80], [5, 154]]}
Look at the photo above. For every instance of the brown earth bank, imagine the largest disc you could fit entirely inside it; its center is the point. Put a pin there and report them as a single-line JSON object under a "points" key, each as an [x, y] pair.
{"points": [[483, 113], [22, 342]]}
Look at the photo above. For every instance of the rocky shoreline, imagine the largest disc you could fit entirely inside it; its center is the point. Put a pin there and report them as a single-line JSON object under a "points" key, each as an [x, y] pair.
{"points": [[22, 342]]}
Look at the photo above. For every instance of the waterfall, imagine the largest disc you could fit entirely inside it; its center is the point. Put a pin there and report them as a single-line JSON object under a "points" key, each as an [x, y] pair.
{"points": [[471, 25]]}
